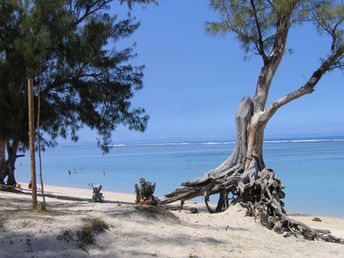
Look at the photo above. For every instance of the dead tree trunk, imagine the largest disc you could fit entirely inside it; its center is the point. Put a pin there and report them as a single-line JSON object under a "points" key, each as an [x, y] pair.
{"points": [[244, 177], [225, 178]]}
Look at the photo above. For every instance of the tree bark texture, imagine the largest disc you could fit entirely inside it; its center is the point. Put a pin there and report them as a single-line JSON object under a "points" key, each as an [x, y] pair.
{"points": [[144, 193]]}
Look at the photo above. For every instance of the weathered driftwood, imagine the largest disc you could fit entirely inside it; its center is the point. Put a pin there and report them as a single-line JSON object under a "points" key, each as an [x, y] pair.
{"points": [[224, 178], [244, 177], [97, 196], [144, 193]]}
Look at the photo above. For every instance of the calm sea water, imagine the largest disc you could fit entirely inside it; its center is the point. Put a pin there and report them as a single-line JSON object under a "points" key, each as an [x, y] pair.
{"points": [[311, 170]]}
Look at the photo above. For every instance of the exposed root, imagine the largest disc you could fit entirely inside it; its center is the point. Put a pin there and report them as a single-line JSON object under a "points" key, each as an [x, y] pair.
{"points": [[263, 201], [243, 176], [260, 192]]}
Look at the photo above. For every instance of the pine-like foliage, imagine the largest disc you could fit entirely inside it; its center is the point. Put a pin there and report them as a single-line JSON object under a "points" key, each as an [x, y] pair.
{"points": [[255, 23], [69, 48]]}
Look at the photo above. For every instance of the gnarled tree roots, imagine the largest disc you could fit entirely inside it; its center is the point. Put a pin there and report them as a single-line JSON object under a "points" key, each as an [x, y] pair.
{"points": [[260, 192], [262, 199], [243, 176]]}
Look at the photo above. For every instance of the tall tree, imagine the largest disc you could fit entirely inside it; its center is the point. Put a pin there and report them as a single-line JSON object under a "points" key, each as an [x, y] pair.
{"points": [[262, 28], [70, 48]]}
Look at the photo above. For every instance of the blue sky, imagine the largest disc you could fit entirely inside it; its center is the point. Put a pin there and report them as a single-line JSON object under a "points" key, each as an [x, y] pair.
{"points": [[194, 82]]}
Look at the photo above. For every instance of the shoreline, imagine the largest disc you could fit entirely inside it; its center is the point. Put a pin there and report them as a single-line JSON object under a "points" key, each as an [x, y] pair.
{"points": [[293, 163], [87, 192], [134, 233]]}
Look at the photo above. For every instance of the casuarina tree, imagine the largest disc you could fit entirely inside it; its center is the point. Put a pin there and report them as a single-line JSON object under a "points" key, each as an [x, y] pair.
{"points": [[70, 49], [262, 27]]}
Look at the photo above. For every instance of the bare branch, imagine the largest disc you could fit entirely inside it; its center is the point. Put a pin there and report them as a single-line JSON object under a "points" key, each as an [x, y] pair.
{"points": [[334, 35], [329, 31]]}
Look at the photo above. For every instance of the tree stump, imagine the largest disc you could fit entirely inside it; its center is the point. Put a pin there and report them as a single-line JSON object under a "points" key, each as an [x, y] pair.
{"points": [[144, 194]]}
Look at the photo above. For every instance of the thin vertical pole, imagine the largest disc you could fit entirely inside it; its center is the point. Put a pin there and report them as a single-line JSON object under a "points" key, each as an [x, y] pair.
{"points": [[39, 140], [32, 143]]}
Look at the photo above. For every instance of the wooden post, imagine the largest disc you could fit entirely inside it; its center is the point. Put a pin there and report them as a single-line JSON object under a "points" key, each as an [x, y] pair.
{"points": [[32, 143]]}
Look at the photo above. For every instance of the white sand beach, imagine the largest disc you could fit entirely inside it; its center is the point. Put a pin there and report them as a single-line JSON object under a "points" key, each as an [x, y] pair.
{"points": [[137, 233]]}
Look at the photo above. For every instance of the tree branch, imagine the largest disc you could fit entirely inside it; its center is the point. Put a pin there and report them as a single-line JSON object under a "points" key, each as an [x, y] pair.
{"points": [[260, 46], [273, 61], [308, 87], [96, 6], [331, 29], [334, 35]]}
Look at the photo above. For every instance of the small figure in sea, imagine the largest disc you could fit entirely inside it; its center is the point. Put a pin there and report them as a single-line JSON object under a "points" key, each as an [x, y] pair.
{"points": [[97, 195], [103, 173], [73, 171]]}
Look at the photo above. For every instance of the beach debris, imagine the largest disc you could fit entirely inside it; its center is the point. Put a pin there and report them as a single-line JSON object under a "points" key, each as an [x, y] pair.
{"points": [[194, 210], [144, 193], [181, 205], [97, 195], [316, 219], [286, 234]]}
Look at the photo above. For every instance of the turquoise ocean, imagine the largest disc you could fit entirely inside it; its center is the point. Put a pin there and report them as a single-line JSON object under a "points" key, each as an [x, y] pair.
{"points": [[312, 170]]}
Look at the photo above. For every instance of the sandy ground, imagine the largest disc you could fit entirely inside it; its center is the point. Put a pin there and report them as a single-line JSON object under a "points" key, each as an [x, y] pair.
{"points": [[135, 233]]}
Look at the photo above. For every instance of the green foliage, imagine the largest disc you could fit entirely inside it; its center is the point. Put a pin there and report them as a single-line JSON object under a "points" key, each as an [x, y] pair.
{"points": [[131, 2], [69, 48], [256, 22], [328, 16], [242, 17]]}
